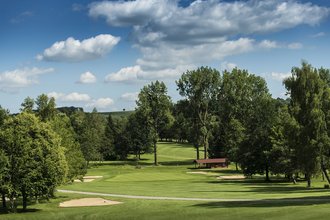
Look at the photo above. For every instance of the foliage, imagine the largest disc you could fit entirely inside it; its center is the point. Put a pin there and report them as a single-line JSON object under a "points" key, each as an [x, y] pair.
{"points": [[92, 136], [154, 106], [36, 161], [76, 163], [308, 92], [200, 87]]}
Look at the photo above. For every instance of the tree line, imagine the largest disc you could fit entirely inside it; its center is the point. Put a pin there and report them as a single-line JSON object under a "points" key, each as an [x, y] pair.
{"points": [[229, 114]]}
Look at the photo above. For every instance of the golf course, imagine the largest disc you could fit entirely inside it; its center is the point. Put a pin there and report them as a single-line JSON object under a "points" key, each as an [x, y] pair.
{"points": [[177, 190]]}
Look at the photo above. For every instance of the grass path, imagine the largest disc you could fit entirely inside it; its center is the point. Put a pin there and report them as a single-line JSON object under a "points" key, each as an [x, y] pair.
{"points": [[298, 199]]}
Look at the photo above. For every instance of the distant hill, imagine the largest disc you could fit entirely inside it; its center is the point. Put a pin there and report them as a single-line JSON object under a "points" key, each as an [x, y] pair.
{"points": [[117, 114]]}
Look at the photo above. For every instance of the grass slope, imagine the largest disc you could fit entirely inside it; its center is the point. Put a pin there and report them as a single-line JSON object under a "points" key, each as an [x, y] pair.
{"points": [[171, 179]]}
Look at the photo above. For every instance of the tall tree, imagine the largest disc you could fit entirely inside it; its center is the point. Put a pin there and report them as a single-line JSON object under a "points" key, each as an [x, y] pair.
{"points": [[27, 105], [154, 104], [139, 137], [36, 161], [46, 107], [200, 87], [74, 157], [92, 136], [283, 138], [306, 89]]}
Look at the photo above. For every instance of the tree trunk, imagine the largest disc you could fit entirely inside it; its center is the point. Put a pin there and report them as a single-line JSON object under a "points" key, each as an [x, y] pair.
{"points": [[36, 199], [309, 182], [12, 202], [267, 174], [206, 146], [155, 154], [324, 171], [197, 152], [4, 204], [24, 198], [236, 165]]}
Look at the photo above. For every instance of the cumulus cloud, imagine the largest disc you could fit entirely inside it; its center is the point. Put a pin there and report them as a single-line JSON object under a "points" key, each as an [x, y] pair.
{"points": [[130, 97], [221, 18], [72, 50], [295, 46], [280, 76], [82, 98], [14, 80], [71, 97], [267, 44], [127, 74], [170, 36], [87, 78], [227, 66], [101, 103]]}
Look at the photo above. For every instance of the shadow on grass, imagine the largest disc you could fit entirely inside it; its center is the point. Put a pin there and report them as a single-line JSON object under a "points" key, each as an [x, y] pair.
{"points": [[267, 203], [6, 211]]}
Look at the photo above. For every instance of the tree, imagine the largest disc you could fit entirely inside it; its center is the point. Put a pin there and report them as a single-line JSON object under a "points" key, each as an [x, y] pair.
{"points": [[92, 136], [3, 162], [154, 105], [283, 138], [74, 157], [200, 87], [108, 146], [27, 105], [45, 107], [307, 90], [36, 161], [3, 177], [139, 137], [245, 111]]}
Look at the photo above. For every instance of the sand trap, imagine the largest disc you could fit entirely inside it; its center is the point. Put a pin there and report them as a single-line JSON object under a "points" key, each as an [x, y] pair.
{"points": [[88, 202], [237, 177], [88, 179]]}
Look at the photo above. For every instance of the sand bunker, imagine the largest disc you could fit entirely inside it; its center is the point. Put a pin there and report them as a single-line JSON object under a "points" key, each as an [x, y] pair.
{"points": [[88, 202], [88, 179], [237, 177]]}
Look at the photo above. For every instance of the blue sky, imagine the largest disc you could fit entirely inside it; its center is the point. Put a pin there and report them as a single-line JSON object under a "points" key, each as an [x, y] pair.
{"points": [[100, 53]]}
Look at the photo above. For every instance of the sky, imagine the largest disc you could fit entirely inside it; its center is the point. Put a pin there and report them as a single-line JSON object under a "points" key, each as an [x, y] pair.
{"points": [[101, 53]]}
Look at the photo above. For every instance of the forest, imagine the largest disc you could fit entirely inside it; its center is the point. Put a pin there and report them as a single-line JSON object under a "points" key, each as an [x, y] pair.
{"points": [[229, 114]]}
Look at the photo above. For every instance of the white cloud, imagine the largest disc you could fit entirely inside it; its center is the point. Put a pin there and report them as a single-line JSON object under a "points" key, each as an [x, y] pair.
{"points": [[71, 97], [227, 66], [172, 37], [87, 77], [13, 81], [320, 34], [130, 97], [176, 23], [127, 74], [280, 76], [72, 50], [295, 46], [101, 103], [267, 44]]}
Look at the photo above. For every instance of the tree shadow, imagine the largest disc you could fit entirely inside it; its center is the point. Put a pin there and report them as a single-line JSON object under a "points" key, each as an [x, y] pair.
{"points": [[267, 203], [4, 211]]}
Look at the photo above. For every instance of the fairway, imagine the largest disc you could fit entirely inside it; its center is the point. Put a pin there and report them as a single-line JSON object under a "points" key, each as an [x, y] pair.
{"points": [[232, 199]]}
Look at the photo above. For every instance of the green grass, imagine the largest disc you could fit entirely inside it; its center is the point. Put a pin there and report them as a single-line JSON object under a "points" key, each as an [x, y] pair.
{"points": [[172, 179]]}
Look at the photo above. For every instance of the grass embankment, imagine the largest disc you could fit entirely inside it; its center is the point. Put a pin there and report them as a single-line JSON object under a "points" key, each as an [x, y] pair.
{"points": [[172, 178]]}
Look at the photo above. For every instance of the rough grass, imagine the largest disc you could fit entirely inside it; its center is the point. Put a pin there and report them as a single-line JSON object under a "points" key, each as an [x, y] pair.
{"points": [[278, 199]]}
